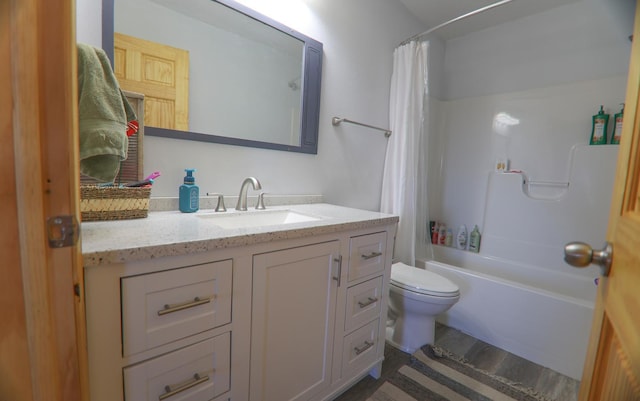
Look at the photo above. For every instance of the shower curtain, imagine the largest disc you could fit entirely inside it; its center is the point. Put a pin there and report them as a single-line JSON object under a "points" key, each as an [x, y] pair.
{"points": [[404, 190]]}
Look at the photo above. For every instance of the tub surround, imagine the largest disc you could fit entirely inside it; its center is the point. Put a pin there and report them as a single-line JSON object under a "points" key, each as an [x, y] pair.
{"points": [[175, 303]]}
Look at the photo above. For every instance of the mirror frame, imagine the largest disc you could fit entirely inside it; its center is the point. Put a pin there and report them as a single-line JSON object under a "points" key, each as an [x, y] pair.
{"points": [[312, 76]]}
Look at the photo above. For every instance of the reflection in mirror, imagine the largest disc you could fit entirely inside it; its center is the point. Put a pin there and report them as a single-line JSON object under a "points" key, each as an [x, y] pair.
{"points": [[245, 79]]}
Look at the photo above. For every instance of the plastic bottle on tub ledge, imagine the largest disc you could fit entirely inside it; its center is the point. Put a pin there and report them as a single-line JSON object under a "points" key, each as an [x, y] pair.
{"points": [[448, 241], [433, 231], [442, 234], [474, 240], [461, 238]]}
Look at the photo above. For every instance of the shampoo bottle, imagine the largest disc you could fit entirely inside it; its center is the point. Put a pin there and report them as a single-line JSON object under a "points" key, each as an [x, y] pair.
{"points": [[474, 240], [617, 127], [434, 234], [448, 241], [442, 234], [599, 128], [189, 193], [461, 238]]}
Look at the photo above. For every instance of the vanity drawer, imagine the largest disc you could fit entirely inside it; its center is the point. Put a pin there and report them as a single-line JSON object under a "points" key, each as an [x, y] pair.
{"points": [[195, 373], [363, 303], [367, 255], [360, 348], [159, 308]]}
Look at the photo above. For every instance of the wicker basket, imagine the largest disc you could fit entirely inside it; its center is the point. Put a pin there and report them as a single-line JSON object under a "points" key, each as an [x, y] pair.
{"points": [[113, 203]]}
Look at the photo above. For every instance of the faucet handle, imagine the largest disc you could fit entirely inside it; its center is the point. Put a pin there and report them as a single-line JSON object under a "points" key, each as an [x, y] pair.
{"points": [[260, 203], [220, 206]]}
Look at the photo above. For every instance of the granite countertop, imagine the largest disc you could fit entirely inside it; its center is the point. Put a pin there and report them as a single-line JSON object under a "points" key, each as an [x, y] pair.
{"points": [[172, 233]]}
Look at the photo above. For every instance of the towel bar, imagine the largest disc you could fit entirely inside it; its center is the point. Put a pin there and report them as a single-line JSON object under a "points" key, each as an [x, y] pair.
{"points": [[337, 120]]}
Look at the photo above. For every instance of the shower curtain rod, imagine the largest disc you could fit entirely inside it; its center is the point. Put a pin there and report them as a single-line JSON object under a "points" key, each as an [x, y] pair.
{"points": [[478, 11]]}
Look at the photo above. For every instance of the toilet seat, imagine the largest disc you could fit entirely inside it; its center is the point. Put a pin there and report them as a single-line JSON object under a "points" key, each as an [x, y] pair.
{"points": [[422, 281]]}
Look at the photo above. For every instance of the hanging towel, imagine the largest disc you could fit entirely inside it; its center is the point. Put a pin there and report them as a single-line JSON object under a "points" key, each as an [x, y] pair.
{"points": [[103, 116]]}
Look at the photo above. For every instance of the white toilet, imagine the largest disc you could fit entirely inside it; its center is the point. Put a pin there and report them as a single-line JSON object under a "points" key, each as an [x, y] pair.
{"points": [[416, 296]]}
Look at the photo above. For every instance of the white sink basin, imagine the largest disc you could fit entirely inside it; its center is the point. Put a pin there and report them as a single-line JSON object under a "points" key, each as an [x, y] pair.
{"points": [[256, 218]]}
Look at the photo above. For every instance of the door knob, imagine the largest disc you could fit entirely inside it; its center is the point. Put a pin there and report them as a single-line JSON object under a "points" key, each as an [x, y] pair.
{"points": [[579, 254]]}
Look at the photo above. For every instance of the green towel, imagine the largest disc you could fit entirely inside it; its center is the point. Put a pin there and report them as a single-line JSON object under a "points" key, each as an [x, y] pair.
{"points": [[103, 116]]}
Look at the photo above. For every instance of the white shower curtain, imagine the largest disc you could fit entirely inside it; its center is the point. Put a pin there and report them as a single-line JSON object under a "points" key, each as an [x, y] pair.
{"points": [[405, 174]]}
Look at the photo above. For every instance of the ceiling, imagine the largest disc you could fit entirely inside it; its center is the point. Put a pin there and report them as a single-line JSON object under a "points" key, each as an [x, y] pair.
{"points": [[435, 12]]}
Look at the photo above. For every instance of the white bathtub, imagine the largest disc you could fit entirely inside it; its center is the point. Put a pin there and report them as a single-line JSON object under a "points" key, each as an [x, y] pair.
{"points": [[536, 313]]}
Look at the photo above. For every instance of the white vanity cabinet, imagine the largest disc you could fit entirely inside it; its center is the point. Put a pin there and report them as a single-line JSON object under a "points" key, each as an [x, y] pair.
{"points": [[294, 316]]}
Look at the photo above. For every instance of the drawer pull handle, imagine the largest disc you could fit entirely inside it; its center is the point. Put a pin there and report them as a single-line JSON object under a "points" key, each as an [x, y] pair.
{"points": [[371, 255], [178, 307], [369, 301], [338, 278], [366, 346], [171, 390]]}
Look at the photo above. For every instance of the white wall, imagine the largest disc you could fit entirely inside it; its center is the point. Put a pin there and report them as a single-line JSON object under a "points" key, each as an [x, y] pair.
{"points": [[551, 72], [358, 37], [89, 22]]}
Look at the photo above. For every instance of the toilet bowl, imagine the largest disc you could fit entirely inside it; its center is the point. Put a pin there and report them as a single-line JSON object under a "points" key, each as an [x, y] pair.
{"points": [[416, 297]]}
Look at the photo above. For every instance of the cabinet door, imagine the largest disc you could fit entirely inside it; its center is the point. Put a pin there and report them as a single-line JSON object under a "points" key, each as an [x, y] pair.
{"points": [[292, 326]]}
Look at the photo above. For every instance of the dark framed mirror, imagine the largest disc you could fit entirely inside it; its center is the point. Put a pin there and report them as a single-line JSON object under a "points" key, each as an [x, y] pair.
{"points": [[251, 80]]}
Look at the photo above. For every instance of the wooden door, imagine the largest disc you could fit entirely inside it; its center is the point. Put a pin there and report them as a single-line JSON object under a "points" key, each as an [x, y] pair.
{"points": [[612, 368], [158, 71], [292, 322], [41, 341]]}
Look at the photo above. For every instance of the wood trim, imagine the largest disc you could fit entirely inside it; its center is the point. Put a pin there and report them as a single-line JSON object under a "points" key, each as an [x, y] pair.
{"points": [[622, 202], [45, 157], [14, 363], [39, 316], [60, 154]]}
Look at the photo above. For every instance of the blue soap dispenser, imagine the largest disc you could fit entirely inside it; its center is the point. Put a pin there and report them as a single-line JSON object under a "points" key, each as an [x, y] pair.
{"points": [[189, 193]]}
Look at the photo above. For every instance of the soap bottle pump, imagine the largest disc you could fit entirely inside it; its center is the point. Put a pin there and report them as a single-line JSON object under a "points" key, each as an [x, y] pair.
{"points": [[599, 128], [189, 193], [617, 127]]}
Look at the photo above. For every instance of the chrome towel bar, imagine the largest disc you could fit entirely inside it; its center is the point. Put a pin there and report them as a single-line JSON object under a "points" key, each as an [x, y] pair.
{"points": [[337, 120]]}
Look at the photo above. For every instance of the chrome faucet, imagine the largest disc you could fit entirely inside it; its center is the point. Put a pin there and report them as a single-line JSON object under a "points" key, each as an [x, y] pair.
{"points": [[242, 198]]}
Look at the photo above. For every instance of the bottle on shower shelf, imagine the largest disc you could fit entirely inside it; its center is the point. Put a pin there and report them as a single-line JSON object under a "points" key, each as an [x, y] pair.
{"points": [[474, 240], [600, 122], [461, 238], [434, 233], [442, 234], [432, 228], [448, 241]]}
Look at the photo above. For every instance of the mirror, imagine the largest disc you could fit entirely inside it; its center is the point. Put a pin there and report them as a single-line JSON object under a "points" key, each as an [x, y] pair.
{"points": [[251, 80]]}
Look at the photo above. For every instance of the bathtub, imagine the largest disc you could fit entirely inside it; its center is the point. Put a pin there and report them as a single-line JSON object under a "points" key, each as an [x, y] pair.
{"points": [[536, 313]]}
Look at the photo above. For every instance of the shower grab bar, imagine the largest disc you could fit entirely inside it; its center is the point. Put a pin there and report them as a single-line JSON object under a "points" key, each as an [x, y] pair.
{"points": [[548, 183], [337, 120]]}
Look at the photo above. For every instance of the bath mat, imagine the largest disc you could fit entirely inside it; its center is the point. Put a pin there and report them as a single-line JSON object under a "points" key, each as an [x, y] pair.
{"points": [[435, 374]]}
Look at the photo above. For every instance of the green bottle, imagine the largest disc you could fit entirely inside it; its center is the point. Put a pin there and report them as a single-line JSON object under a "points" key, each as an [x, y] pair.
{"points": [[599, 128], [617, 127], [474, 240]]}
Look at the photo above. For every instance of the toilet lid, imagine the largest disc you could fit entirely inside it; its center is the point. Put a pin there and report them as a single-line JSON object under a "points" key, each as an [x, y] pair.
{"points": [[422, 281]]}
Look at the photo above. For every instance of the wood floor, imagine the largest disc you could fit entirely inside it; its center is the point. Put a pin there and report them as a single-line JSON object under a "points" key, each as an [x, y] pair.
{"points": [[551, 384]]}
